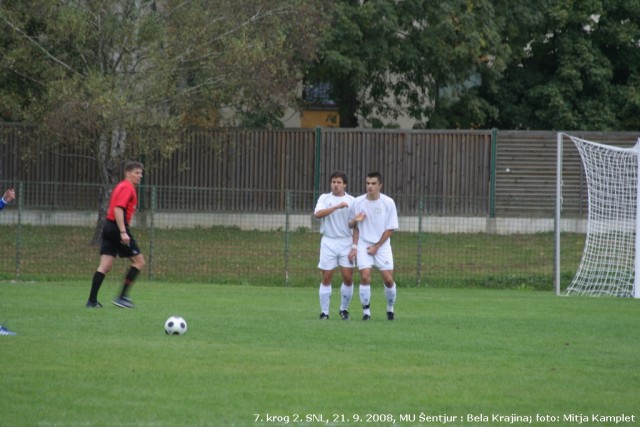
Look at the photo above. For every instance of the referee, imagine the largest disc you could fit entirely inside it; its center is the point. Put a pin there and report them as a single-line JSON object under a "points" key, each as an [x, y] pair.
{"points": [[117, 239]]}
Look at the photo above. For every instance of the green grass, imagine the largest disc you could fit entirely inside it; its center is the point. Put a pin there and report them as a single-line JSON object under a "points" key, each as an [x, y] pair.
{"points": [[252, 351], [231, 256]]}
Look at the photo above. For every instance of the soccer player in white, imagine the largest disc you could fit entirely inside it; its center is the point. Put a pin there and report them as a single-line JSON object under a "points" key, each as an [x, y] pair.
{"points": [[337, 240], [374, 218]]}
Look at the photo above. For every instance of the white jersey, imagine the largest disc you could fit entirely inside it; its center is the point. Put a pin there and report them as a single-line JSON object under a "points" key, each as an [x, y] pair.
{"points": [[337, 223], [381, 215]]}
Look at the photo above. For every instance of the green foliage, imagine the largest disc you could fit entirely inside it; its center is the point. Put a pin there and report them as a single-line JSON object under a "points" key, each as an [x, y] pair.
{"points": [[126, 78], [262, 117], [580, 72], [89, 71], [145, 63], [256, 351], [415, 57], [451, 48], [356, 55], [549, 64]]}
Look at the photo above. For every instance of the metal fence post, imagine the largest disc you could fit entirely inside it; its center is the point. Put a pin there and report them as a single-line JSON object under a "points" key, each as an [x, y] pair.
{"points": [[152, 229], [20, 198], [419, 260], [492, 172], [287, 232], [318, 164]]}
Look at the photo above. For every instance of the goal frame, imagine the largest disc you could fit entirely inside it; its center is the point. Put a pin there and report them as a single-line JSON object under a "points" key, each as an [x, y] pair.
{"points": [[558, 212]]}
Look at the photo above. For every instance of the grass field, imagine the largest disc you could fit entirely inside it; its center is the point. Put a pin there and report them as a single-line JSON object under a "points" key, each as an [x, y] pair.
{"points": [[258, 356]]}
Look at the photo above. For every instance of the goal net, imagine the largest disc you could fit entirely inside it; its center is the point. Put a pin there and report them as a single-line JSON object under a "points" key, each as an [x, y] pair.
{"points": [[609, 262]]}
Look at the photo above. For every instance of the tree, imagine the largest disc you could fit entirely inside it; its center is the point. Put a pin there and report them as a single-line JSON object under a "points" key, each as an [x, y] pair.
{"points": [[420, 58], [106, 73], [450, 48], [355, 56], [580, 70]]}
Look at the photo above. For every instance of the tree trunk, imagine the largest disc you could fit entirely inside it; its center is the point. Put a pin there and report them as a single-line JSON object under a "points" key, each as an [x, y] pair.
{"points": [[110, 154], [349, 105]]}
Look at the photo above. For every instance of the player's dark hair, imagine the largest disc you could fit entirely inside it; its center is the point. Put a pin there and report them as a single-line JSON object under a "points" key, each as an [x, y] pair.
{"points": [[377, 175], [339, 174], [131, 165]]}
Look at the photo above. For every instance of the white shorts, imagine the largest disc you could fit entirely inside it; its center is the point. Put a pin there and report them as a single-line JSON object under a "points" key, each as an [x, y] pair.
{"points": [[334, 252], [382, 260]]}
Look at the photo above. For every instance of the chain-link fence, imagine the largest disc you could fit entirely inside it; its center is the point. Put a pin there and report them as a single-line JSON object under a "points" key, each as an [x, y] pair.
{"points": [[280, 246]]}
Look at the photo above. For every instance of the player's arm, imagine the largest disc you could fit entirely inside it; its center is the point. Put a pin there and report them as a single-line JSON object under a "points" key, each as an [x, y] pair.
{"points": [[7, 197], [118, 212], [358, 218], [321, 213], [385, 236], [354, 247]]}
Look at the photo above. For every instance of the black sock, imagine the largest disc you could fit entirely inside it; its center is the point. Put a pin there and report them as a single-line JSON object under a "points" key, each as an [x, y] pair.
{"points": [[131, 276], [95, 286]]}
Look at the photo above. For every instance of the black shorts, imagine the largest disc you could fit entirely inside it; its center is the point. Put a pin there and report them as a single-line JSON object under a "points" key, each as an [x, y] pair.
{"points": [[112, 245]]}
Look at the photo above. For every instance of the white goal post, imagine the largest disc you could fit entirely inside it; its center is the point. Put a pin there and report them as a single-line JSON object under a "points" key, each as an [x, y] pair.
{"points": [[610, 263]]}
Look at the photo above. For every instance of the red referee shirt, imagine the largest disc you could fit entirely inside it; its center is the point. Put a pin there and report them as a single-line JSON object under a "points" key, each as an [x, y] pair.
{"points": [[123, 196]]}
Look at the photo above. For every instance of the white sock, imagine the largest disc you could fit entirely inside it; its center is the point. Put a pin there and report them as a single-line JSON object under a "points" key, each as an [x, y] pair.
{"points": [[346, 293], [365, 298], [390, 295], [325, 298]]}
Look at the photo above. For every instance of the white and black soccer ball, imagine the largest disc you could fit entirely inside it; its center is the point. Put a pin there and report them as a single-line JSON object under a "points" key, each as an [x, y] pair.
{"points": [[175, 325]]}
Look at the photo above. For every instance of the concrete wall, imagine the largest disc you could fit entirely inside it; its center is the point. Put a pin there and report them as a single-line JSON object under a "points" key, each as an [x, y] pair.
{"points": [[274, 222]]}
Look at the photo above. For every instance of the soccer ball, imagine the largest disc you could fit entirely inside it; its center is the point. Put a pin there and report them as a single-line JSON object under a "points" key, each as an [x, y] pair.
{"points": [[175, 325]]}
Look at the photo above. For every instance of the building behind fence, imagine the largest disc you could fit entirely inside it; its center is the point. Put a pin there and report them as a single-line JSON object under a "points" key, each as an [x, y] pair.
{"points": [[486, 190]]}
